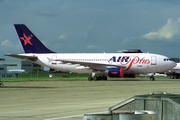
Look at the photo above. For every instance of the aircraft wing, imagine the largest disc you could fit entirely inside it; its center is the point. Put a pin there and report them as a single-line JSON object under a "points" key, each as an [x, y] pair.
{"points": [[92, 65], [31, 58]]}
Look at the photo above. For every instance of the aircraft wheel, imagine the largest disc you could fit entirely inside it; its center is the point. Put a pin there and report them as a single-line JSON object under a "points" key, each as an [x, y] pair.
{"points": [[177, 76], [152, 78], [171, 77], [90, 78]]}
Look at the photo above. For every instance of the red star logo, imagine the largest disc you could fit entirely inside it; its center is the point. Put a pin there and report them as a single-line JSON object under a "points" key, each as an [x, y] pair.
{"points": [[26, 39]]}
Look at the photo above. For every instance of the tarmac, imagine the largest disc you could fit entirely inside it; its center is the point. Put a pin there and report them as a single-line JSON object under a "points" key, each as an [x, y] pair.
{"points": [[70, 100]]}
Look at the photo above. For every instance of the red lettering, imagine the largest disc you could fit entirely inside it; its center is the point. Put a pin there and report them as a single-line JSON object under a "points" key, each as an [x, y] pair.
{"points": [[141, 60], [134, 60]]}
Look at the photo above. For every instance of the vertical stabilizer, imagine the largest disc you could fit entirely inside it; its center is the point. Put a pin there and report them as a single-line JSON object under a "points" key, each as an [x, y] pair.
{"points": [[29, 41]]}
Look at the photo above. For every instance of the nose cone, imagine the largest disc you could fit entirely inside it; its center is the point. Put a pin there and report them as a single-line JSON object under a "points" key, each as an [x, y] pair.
{"points": [[170, 65], [165, 64], [173, 64]]}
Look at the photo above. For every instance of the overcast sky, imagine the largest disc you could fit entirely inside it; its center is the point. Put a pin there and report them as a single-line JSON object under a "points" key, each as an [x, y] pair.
{"points": [[93, 26]]}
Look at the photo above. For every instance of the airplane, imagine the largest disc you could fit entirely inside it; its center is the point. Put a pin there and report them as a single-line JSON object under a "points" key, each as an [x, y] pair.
{"points": [[154, 74], [125, 64], [16, 71], [174, 72]]}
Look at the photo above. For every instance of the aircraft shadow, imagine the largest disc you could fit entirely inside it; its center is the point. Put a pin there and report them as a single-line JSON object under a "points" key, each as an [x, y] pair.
{"points": [[129, 80], [174, 80], [32, 87]]}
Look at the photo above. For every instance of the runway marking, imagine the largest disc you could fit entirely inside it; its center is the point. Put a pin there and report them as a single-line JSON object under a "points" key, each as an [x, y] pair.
{"points": [[73, 116]]}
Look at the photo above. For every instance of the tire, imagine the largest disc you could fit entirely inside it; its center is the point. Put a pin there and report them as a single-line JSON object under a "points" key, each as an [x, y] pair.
{"points": [[152, 78], [171, 77], [90, 78], [177, 76]]}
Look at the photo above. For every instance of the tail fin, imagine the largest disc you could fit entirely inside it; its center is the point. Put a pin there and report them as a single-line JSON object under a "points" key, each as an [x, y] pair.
{"points": [[29, 41]]}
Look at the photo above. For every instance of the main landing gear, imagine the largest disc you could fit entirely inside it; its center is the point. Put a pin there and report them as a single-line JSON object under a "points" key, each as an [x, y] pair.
{"points": [[152, 78], [93, 77]]}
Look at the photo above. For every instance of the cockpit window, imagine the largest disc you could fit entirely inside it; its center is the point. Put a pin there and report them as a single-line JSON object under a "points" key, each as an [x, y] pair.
{"points": [[167, 59]]}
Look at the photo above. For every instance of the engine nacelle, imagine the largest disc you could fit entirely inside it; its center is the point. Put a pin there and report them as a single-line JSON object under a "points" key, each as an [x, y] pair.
{"points": [[129, 75], [114, 72]]}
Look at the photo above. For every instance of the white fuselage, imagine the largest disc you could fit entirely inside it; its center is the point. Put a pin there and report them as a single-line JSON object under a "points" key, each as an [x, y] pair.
{"points": [[134, 62]]}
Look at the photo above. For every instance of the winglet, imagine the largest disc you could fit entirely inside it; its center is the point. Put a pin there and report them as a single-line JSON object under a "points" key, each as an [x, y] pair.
{"points": [[29, 41]]}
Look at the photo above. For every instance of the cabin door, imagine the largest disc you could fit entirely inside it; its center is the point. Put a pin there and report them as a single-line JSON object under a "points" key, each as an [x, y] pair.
{"points": [[153, 60]]}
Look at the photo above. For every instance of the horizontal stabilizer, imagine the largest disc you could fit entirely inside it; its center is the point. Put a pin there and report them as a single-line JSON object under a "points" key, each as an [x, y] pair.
{"points": [[31, 58]]}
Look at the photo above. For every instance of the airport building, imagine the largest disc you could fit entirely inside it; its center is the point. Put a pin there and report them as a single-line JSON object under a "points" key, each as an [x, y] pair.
{"points": [[18, 65], [10, 68], [4, 73]]}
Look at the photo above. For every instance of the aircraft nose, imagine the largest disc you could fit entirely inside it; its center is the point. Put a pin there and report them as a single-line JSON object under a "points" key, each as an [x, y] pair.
{"points": [[170, 65], [173, 64]]}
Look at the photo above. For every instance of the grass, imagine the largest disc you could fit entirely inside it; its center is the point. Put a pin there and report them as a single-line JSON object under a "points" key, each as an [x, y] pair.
{"points": [[45, 76], [62, 77]]}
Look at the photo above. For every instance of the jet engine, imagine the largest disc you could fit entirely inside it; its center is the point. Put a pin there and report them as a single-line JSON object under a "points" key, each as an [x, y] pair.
{"points": [[114, 72]]}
